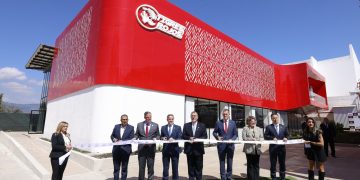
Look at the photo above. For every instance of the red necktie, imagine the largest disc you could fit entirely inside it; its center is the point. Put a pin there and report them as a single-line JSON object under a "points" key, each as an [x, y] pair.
{"points": [[225, 128], [147, 130]]}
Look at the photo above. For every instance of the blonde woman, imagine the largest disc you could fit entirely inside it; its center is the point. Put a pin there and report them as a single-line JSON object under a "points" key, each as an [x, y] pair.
{"points": [[61, 144], [252, 133]]}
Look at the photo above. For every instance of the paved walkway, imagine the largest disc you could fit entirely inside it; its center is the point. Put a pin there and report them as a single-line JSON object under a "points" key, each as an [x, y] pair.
{"points": [[12, 168], [343, 167]]}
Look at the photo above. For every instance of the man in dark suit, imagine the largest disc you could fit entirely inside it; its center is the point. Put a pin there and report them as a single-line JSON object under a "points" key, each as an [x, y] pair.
{"points": [[225, 129], [171, 151], [276, 131], [194, 150], [303, 125], [121, 153], [329, 134], [147, 130]]}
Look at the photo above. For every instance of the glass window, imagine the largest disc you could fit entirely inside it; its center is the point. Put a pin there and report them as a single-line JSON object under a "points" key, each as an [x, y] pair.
{"points": [[208, 112], [259, 117], [238, 115], [267, 120]]}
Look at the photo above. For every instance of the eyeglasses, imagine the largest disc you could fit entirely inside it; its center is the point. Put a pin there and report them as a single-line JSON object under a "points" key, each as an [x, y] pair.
{"points": [[124, 119]]}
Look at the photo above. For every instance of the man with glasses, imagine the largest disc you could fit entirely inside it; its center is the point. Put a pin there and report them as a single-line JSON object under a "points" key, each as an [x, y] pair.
{"points": [[121, 153], [171, 151], [194, 150]]}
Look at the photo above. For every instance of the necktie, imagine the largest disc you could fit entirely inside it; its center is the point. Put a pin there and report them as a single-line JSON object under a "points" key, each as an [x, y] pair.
{"points": [[169, 130], [277, 129], [225, 128], [147, 130], [194, 130]]}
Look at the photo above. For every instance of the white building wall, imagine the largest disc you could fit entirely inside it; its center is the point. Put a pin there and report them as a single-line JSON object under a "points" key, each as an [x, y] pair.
{"points": [[77, 109], [341, 115], [95, 111], [189, 107], [356, 62], [340, 75]]}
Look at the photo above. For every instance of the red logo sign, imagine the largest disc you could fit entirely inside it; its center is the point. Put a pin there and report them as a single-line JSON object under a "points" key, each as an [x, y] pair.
{"points": [[149, 18]]}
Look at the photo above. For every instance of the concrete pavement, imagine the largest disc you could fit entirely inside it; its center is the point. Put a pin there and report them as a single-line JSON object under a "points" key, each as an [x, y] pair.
{"points": [[343, 167]]}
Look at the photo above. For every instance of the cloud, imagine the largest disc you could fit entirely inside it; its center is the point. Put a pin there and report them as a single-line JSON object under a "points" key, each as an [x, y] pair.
{"points": [[35, 82], [17, 87], [21, 93], [10, 73]]}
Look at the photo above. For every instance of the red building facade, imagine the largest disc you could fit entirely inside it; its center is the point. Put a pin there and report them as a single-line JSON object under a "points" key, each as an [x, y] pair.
{"points": [[112, 42], [115, 53]]}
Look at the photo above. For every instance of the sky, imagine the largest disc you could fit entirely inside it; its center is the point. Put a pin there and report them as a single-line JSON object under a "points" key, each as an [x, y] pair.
{"points": [[282, 31]]}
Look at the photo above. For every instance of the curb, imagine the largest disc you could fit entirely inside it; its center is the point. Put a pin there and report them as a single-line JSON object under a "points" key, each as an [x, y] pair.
{"points": [[24, 156]]}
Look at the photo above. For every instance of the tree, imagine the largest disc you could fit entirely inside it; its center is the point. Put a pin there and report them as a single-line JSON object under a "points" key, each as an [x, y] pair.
{"points": [[9, 108], [1, 104]]}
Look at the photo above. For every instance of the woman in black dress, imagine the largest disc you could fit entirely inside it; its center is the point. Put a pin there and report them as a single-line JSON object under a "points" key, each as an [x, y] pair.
{"points": [[61, 144], [314, 149]]}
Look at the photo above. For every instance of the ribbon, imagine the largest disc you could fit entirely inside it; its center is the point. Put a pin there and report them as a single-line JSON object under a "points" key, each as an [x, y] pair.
{"points": [[126, 142]]}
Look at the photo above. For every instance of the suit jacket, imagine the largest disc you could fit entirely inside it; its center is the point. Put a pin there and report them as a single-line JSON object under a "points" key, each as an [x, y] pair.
{"points": [[171, 148], [127, 135], [232, 134], [270, 134], [328, 131], [153, 133], [248, 135], [196, 148], [58, 146]]}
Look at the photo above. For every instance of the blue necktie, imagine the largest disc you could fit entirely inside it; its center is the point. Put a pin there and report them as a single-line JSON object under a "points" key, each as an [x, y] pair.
{"points": [[169, 130]]}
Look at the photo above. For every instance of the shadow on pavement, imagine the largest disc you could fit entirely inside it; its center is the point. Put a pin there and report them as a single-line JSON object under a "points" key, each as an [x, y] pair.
{"points": [[341, 167]]}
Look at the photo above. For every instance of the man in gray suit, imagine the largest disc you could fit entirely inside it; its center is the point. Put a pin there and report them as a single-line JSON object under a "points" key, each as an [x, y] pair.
{"points": [[147, 130]]}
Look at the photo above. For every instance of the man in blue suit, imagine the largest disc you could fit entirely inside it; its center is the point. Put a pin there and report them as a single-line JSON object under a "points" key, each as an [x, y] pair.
{"points": [[194, 150], [225, 129], [276, 131], [171, 151], [121, 153]]}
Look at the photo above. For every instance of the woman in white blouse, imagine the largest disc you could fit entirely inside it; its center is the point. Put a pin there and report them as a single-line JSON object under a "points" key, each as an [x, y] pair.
{"points": [[61, 144], [252, 133]]}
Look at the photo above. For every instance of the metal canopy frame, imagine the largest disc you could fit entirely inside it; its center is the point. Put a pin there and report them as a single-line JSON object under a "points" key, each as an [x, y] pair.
{"points": [[42, 58]]}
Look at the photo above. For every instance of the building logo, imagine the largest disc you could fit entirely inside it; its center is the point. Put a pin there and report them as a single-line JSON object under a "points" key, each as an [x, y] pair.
{"points": [[149, 18]]}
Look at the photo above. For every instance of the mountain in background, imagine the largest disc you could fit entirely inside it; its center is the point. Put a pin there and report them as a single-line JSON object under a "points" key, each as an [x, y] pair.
{"points": [[25, 108]]}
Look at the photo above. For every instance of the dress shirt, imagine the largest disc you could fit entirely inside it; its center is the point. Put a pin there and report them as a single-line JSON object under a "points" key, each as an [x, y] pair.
{"points": [[227, 124], [149, 124], [122, 130], [277, 128], [194, 128], [66, 139]]}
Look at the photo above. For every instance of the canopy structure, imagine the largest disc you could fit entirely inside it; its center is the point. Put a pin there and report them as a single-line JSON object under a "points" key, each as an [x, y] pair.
{"points": [[42, 58]]}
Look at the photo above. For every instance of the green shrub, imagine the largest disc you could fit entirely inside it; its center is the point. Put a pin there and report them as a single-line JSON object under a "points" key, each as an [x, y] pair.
{"points": [[339, 128]]}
